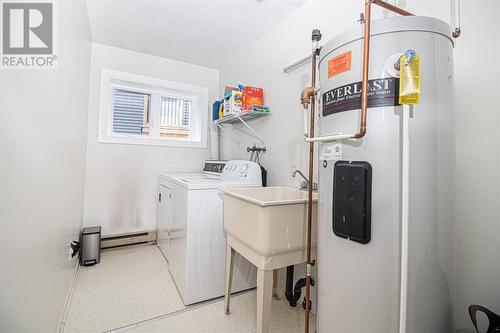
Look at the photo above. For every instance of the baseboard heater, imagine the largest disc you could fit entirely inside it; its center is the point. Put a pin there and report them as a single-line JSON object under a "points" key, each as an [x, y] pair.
{"points": [[146, 237]]}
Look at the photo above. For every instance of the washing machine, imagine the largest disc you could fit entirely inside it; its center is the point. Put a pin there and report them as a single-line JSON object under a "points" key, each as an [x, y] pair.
{"points": [[190, 231]]}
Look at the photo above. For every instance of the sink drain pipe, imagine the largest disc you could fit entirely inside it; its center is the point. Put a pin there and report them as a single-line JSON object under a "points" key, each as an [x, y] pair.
{"points": [[292, 293]]}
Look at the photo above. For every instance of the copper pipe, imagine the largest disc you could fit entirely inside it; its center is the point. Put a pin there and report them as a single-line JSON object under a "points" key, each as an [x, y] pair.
{"points": [[309, 97], [366, 58], [366, 63], [392, 8], [312, 99]]}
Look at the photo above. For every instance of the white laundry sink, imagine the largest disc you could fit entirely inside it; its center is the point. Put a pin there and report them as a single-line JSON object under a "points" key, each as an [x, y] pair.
{"points": [[268, 227], [269, 220]]}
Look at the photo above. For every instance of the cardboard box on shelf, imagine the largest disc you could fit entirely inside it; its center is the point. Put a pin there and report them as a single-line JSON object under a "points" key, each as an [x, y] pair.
{"points": [[227, 89], [252, 96], [233, 101]]}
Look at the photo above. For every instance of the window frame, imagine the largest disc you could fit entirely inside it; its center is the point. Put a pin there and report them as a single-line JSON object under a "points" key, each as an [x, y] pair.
{"points": [[156, 88]]}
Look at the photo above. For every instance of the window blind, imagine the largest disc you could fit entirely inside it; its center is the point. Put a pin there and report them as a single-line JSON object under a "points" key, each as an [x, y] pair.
{"points": [[130, 111], [175, 112]]}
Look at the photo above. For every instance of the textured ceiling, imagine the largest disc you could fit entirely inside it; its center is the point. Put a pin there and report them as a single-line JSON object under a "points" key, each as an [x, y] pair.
{"points": [[202, 32]]}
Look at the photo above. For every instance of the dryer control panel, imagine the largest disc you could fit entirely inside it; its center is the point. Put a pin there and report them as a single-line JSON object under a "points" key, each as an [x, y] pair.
{"points": [[214, 167], [241, 171]]}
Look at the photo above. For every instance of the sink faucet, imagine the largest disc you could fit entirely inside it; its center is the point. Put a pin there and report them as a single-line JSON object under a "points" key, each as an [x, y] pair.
{"points": [[304, 184]]}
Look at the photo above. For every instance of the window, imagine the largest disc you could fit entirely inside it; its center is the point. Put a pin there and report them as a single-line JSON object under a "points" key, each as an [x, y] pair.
{"points": [[174, 117], [136, 109], [130, 112]]}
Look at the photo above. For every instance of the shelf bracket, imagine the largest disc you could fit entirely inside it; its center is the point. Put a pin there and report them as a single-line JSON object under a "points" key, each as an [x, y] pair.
{"points": [[258, 137], [227, 135], [255, 134]]}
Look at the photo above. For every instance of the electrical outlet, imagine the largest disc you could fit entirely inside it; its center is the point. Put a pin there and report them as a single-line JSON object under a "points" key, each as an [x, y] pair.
{"points": [[69, 251], [72, 250]]}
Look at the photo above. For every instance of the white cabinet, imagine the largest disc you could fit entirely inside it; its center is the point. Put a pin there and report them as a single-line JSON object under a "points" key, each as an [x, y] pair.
{"points": [[164, 219]]}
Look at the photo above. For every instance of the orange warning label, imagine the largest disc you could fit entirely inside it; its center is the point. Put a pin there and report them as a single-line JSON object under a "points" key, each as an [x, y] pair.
{"points": [[339, 64]]}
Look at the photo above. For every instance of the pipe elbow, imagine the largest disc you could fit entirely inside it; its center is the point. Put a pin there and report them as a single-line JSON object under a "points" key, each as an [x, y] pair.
{"points": [[306, 95], [361, 133]]}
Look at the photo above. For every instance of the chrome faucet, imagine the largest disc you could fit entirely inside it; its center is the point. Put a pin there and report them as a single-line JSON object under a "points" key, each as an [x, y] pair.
{"points": [[304, 184]]}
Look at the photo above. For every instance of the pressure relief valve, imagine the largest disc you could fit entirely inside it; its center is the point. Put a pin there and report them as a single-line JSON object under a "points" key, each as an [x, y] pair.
{"points": [[309, 92], [316, 35]]}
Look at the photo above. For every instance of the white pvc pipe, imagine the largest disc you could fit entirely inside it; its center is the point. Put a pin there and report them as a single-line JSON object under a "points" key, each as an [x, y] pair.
{"points": [[405, 186], [457, 14], [332, 137], [306, 123]]}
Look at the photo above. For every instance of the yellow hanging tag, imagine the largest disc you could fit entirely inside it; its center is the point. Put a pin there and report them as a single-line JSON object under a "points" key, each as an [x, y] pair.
{"points": [[409, 80]]}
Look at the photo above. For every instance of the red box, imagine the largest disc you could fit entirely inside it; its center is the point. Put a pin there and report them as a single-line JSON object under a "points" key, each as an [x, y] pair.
{"points": [[252, 96]]}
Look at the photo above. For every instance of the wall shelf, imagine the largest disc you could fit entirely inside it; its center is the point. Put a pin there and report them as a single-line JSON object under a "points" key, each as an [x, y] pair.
{"points": [[232, 119]]}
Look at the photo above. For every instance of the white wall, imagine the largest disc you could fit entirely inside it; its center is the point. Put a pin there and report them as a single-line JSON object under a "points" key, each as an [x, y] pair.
{"points": [[477, 82], [43, 121], [478, 152], [121, 180]]}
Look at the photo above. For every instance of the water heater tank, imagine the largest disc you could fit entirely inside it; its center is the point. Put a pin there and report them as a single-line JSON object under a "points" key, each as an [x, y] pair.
{"points": [[361, 288]]}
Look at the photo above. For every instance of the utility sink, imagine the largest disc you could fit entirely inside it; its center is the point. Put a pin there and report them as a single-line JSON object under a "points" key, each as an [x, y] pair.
{"points": [[268, 227], [269, 221]]}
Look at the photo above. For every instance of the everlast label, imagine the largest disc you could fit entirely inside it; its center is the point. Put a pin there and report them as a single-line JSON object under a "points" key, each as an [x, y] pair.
{"points": [[381, 92]]}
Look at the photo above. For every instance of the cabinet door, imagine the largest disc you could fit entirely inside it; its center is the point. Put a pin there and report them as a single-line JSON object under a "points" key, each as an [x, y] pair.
{"points": [[164, 219], [177, 238]]}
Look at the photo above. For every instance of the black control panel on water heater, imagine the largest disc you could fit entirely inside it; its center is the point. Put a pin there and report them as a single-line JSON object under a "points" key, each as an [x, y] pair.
{"points": [[352, 196]]}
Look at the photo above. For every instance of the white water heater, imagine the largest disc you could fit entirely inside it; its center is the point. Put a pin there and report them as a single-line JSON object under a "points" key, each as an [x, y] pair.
{"points": [[386, 201]]}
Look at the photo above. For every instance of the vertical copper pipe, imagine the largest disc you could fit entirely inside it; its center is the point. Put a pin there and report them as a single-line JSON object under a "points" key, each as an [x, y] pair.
{"points": [[366, 58], [366, 63], [310, 190]]}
